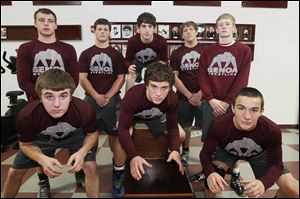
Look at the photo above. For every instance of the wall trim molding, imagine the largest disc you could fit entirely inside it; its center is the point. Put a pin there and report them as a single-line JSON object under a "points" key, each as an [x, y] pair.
{"points": [[289, 126]]}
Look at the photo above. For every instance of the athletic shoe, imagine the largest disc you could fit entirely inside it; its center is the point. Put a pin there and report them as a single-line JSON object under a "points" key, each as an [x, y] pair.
{"points": [[236, 185], [118, 179], [197, 177], [185, 158], [44, 191]]}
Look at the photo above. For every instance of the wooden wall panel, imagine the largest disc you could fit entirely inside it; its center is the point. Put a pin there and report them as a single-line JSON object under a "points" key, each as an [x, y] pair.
{"points": [[63, 32], [126, 2], [265, 4], [197, 3], [5, 3], [56, 2]]}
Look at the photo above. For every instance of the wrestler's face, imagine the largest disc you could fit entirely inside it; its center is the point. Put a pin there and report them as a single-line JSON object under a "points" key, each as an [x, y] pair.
{"points": [[247, 111], [157, 91], [56, 103], [146, 30], [45, 24], [102, 33], [189, 34], [225, 28]]}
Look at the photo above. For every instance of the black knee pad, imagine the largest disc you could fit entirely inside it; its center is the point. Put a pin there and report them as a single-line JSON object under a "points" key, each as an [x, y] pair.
{"points": [[219, 170]]}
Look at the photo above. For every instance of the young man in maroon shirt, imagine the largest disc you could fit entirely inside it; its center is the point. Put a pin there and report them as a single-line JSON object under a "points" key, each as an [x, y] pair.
{"points": [[40, 55], [44, 53], [185, 62], [102, 75], [155, 104], [224, 69], [55, 120], [144, 48], [246, 135]]}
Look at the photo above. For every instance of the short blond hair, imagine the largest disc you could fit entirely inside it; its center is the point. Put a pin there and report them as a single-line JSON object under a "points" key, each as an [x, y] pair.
{"points": [[226, 16]]}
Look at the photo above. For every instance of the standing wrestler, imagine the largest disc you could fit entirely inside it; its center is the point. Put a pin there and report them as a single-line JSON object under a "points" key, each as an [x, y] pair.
{"points": [[102, 74], [144, 48], [224, 70], [185, 62]]}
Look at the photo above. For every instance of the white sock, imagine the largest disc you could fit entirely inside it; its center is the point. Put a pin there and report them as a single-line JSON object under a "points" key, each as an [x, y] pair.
{"points": [[119, 168]]}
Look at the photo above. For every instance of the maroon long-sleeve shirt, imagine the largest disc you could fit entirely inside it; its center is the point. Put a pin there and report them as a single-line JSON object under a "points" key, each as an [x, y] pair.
{"points": [[224, 70], [34, 119], [36, 57], [266, 136], [134, 102]]}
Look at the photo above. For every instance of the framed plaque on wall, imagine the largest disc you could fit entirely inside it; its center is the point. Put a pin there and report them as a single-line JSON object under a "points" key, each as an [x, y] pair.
{"points": [[5, 3], [265, 4], [56, 2], [197, 3], [126, 2]]}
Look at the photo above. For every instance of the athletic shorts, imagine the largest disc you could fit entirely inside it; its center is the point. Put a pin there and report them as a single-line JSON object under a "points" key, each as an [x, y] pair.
{"points": [[48, 146], [106, 116], [207, 117], [187, 113], [156, 125], [258, 163]]}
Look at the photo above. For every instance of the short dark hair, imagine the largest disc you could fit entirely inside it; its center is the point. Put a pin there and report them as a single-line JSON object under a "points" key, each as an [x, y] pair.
{"points": [[249, 92], [56, 80], [102, 21], [159, 72], [146, 17], [45, 11], [127, 27]]}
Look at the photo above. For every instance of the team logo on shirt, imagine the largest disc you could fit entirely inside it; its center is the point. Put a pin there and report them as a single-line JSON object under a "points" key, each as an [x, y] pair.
{"points": [[145, 55], [243, 148], [59, 131], [45, 60], [223, 65], [101, 64], [190, 61], [149, 114]]}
